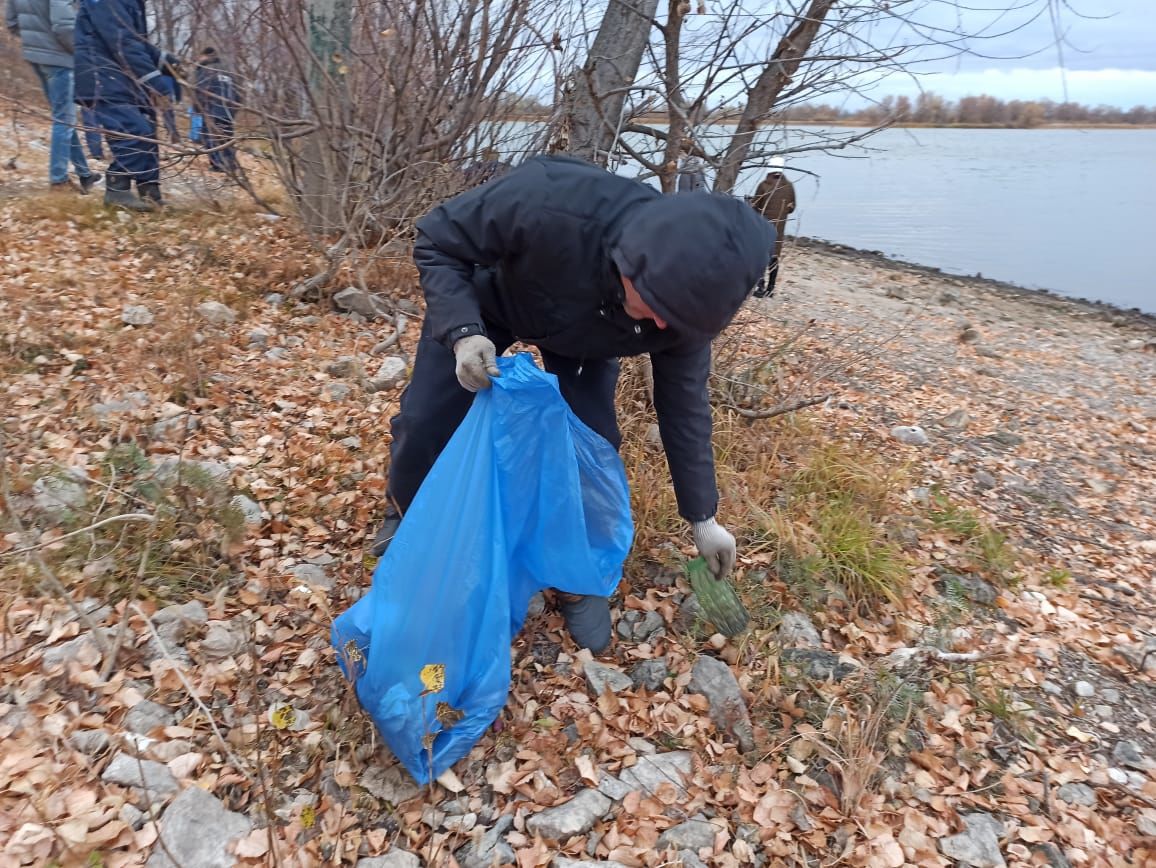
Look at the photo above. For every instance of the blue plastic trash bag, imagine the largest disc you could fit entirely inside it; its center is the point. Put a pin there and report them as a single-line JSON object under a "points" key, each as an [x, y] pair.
{"points": [[524, 497]]}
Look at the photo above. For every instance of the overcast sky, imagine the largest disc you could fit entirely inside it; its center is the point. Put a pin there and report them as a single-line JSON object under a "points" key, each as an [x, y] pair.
{"points": [[1108, 53]]}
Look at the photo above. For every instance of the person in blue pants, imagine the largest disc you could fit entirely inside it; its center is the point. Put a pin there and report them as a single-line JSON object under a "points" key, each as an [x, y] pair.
{"points": [[45, 29], [93, 136], [123, 77]]}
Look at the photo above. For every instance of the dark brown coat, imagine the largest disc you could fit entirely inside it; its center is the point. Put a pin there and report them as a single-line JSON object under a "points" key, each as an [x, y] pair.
{"points": [[775, 200]]}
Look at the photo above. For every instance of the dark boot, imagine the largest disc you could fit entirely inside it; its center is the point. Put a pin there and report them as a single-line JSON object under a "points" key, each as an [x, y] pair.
{"points": [[587, 619], [389, 526], [118, 192], [151, 192], [88, 182]]}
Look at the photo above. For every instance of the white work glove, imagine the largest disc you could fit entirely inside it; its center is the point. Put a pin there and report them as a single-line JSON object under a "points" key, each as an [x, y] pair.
{"points": [[716, 545], [477, 362]]}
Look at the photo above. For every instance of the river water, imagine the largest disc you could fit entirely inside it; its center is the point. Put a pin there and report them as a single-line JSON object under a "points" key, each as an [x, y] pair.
{"points": [[1073, 211]]}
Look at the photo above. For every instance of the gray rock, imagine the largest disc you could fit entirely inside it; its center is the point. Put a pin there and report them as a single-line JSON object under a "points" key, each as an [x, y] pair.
{"points": [[192, 612], [132, 815], [491, 849], [391, 784], [174, 428], [249, 508], [392, 372], [136, 315], [460, 824], [713, 679], [536, 606], [949, 296], [1110, 694], [641, 746], [694, 835], [356, 301], [344, 366], [1007, 438], [146, 716], [393, 859], [690, 614], [653, 435], [197, 830], [274, 298], [276, 354], [601, 678], [294, 341], [1084, 689], [635, 626], [1077, 794], [650, 674], [311, 574], [797, 631], [131, 401], [817, 665], [223, 639], [337, 391], [89, 741], [984, 480], [259, 338], [58, 497], [690, 859], [1128, 754], [1052, 854], [66, 652], [654, 770], [912, 435], [216, 313], [169, 470], [1146, 826], [978, 845], [575, 817], [1118, 776], [972, 587], [147, 775], [613, 788], [353, 443], [563, 862], [957, 419], [1051, 688]]}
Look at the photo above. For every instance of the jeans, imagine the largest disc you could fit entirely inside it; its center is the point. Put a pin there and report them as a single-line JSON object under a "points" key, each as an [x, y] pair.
{"points": [[57, 84]]}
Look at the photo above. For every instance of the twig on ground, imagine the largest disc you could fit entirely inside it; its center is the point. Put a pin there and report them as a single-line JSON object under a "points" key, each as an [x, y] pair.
{"points": [[780, 409], [128, 516]]}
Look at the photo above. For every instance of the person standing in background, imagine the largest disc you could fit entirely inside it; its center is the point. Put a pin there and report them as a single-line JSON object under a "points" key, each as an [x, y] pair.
{"points": [[45, 29], [119, 75], [215, 97], [775, 200]]}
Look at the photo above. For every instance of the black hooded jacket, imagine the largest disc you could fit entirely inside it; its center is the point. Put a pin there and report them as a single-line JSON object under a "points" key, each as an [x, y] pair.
{"points": [[541, 252]]}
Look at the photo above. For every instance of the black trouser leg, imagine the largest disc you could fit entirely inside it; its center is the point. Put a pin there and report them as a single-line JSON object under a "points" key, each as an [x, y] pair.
{"points": [[589, 389], [432, 406]]}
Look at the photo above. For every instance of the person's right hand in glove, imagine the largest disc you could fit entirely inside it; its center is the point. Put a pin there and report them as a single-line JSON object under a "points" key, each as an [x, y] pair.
{"points": [[477, 361]]}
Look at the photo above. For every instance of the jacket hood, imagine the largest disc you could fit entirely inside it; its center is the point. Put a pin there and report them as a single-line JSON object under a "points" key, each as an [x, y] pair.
{"points": [[694, 257]]}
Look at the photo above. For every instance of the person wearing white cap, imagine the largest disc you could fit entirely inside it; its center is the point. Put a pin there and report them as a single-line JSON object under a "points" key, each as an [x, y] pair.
{"points": [[775, 200]]}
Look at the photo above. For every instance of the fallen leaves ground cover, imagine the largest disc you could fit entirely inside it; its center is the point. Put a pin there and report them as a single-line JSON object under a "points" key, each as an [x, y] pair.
{"points": [[981, 607]]}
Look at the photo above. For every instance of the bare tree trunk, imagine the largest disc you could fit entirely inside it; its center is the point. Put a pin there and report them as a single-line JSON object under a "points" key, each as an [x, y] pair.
{"points": [[323, 166], [675, 103], [600, 86], [776, 75]]}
